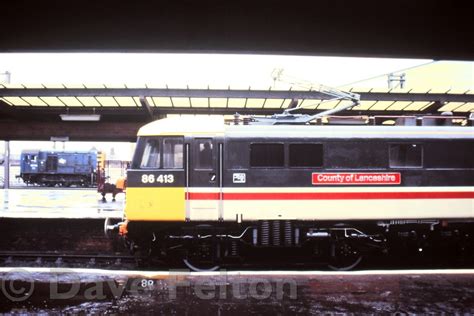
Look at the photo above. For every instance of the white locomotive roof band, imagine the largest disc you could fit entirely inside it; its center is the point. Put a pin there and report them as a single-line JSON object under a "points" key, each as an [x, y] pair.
{"points": [[217, 126]]}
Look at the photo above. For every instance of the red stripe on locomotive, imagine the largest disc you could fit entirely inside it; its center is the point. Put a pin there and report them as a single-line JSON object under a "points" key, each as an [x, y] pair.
{"points": [[331, 195]]}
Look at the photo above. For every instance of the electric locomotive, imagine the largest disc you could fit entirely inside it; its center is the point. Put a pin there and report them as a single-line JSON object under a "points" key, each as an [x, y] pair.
{"points": [[209, 193]]}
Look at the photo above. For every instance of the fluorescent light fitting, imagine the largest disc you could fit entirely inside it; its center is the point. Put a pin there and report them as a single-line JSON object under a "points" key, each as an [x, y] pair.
{"points": [[80, 117]]}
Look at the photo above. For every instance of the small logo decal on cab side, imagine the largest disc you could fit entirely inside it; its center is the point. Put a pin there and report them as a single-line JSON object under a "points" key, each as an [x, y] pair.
{"points": [[239, 178]]}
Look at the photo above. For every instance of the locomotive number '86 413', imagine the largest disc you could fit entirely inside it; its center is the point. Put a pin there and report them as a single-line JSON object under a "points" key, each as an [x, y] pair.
{"points": [[209, 193]]}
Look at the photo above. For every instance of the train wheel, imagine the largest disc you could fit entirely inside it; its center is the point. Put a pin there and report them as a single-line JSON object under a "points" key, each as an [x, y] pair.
{"points": [[141, 253], [202, 257], [108, 231], [201, 266], [42, 181], [343, 256]]}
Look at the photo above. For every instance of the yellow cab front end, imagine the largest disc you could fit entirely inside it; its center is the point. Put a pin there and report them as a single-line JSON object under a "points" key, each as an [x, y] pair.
{"points": [[157, 180]]}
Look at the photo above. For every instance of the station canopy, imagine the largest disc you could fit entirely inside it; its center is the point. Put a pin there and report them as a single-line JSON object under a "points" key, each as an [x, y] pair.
{"points": [[429, 89], [165, 100]]}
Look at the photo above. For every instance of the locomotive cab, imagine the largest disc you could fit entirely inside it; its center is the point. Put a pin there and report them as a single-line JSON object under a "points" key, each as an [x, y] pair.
{"points": [[29, 162], [157, 179], [162, 171]]}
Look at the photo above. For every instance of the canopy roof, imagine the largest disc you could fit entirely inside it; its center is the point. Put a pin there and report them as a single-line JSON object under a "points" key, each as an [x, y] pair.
{"points": [[124, 100]]}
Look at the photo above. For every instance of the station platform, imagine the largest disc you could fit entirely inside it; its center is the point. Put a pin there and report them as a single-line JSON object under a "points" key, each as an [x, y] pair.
{"points": [[36, 202], [222, 292]]}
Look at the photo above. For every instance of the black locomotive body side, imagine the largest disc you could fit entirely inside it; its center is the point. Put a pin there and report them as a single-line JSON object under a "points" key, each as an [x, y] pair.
{"points": [[444, 162]]}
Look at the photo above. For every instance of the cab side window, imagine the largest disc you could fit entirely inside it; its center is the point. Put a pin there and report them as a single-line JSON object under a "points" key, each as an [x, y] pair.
{"points": [[172, 153], [151, 154], [162, 153]]}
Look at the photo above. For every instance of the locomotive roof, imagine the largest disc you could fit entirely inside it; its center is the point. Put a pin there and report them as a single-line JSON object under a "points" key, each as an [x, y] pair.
{"points": [[30, 151], [216, 126], [35, 151], [365, 131], [184, 126]]}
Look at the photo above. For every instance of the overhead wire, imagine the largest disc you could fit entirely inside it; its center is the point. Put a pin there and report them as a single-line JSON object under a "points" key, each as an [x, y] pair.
{"points": [[388, 73]]}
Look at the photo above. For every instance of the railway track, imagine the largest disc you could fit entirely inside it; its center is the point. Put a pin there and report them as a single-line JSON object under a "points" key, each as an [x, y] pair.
{"points": [[67, 260], [122, 261], [72, 243]]}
